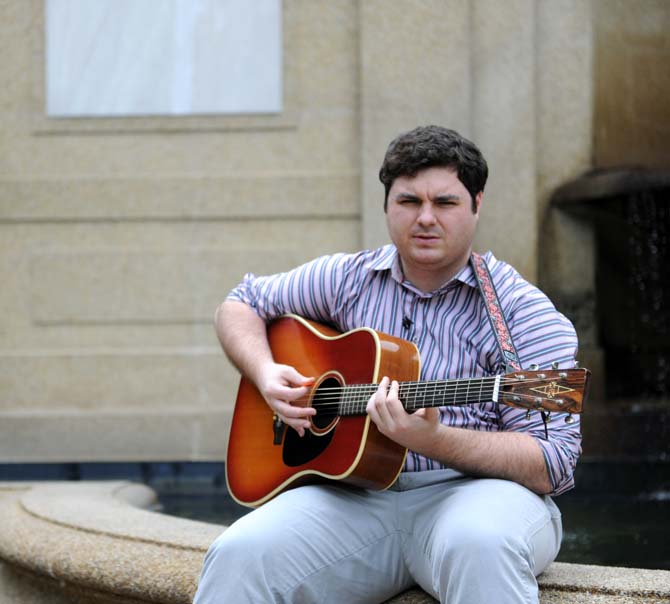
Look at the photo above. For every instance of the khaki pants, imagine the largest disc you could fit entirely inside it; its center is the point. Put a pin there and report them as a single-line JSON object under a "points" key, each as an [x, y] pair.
{"points": [[463, 540]]}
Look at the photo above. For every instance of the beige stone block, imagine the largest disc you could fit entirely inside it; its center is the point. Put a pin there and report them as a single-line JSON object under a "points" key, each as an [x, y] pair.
{"points": [[141, 283], [105, 436], [114, 379], [259, 195], [564, 93], [503, 118], [139, 286], [213, 431], [564, 142]]}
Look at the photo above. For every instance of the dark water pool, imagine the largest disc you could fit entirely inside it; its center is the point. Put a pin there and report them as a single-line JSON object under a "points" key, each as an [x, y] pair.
{"points": [[618, 515], [616, 531]]}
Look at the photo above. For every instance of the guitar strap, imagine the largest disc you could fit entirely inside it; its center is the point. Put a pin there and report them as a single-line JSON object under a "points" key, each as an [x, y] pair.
{"points": [[497, 319], [494, 312]]}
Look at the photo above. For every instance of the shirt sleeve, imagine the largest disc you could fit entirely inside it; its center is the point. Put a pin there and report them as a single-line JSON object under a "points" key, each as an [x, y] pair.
{"points": [[544, 336], [309, 290]]}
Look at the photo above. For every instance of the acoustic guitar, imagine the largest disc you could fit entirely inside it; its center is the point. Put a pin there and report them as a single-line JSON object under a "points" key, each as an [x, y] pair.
{"points": [[342, 443]]}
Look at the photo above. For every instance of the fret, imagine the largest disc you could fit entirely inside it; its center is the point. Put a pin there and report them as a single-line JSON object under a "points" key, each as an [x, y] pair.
{"points": [[355, 405], [404, 396], [348, 402], [365, 393], [451, 392], [407, 396], [442, 390]]}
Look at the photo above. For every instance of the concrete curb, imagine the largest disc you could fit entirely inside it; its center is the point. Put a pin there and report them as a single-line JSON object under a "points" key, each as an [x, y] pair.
{"points": [[93, 542]]}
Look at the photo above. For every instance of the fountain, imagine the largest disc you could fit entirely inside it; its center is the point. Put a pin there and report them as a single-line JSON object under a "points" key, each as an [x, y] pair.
{"points": [[629, 210], [108, 542]]}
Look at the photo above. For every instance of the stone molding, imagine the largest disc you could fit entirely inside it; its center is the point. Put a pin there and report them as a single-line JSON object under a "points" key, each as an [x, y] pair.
{"points": [[92, 538], [101, 542]]}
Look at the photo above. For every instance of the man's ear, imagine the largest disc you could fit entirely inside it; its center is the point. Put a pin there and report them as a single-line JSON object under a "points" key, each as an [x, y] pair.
{"points": [[478, 202]]}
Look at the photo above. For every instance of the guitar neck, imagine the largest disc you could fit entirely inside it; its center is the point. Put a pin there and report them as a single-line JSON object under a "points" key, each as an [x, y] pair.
{"points": [[418, 395]]}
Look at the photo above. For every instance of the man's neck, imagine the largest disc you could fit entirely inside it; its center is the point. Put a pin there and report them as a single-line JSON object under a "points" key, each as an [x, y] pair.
{"points": [[430, 280]]}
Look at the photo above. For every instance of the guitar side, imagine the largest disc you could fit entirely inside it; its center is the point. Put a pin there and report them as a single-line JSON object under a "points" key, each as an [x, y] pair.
{"points": [[352, 450]]}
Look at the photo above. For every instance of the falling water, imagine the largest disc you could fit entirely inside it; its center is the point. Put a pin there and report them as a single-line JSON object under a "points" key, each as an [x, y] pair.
{"points": [[648, 304], [629, 209]]}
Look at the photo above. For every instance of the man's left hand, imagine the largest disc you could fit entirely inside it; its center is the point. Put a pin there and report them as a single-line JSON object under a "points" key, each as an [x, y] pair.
{"points": [[416, 431]]}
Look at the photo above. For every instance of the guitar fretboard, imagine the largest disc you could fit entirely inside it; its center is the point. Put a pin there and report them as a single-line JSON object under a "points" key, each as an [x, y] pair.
{"points": [[417, 395]]}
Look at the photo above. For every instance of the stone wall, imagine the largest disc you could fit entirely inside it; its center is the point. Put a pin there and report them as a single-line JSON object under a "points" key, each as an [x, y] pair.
{"points": [[120, 236]]}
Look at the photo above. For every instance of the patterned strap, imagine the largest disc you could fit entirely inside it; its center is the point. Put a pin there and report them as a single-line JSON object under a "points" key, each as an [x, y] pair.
{"points": [[498, 321], [494, 311]]}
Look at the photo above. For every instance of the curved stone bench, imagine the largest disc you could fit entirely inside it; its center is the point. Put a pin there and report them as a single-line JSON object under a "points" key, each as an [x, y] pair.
{"points": [[95, 542]]}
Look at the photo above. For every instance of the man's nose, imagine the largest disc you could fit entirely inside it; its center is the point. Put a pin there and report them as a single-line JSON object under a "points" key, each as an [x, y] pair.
{"points": [[426, 214]]}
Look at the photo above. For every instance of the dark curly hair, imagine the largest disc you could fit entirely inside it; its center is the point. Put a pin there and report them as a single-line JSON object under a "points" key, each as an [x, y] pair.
{"points": [[430, 146]]}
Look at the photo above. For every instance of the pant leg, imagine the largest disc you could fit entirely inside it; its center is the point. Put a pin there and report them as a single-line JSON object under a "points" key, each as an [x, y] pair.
{"points": [[481, 540], [312, 544]]}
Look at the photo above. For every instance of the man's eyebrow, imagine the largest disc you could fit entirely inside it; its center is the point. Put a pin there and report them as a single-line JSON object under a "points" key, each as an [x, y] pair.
{"points": [[405, 195], [412, 196]]}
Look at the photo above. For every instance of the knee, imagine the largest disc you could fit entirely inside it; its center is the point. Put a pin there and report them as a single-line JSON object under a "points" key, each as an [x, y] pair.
{"points": [[232, 551], [221, 549], [482, 543], [227, 559], [484, 564]]}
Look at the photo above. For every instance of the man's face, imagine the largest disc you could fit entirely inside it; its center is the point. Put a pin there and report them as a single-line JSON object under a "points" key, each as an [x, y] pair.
{"points": [[430, 220]]}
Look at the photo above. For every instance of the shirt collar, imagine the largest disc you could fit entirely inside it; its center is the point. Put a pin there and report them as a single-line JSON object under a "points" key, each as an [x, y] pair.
{"points": [[388, 259]]}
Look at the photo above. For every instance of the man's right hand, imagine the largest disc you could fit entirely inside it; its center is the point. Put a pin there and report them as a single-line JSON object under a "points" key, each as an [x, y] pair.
{"points": [[243, 335], [285, 391]]}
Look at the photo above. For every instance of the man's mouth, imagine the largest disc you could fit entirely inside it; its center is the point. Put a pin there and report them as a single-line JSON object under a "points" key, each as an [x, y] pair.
{"points": [[425, 236]]}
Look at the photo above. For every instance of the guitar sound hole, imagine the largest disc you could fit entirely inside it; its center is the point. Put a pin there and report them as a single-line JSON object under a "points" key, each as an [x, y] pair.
{"points": [[298, 451], [326, 401]]}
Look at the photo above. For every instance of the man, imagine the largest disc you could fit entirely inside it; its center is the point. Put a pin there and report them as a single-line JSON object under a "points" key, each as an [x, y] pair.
{"points": [[469, 519]]}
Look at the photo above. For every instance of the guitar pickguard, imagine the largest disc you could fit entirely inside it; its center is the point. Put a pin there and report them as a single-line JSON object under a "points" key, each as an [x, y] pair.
{"points": [[300, 450]]}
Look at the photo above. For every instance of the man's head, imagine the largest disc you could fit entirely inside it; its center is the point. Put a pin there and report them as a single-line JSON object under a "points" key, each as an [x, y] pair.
{"points": [[434, 146]]}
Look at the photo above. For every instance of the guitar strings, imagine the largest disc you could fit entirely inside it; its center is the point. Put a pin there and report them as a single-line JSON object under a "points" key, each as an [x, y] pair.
{"points": [[352, 407], [335, 393], [351, 397], [428, 387]]}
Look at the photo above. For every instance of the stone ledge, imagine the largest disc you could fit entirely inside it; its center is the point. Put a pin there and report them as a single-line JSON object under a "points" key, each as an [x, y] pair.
{"points": [[92, 542]]}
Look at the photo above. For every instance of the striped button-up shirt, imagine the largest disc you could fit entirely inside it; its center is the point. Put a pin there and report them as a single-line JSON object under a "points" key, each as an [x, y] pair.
{"points": [[450, 327]]}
